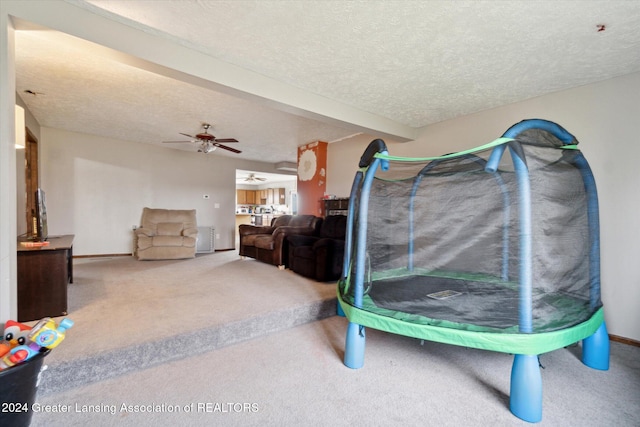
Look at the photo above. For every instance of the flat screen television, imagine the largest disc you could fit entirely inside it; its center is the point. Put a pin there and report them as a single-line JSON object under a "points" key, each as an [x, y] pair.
{"points": [[40, 230]]}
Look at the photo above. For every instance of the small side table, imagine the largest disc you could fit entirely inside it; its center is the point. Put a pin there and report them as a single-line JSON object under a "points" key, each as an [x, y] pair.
{"points": [[43, 276]]}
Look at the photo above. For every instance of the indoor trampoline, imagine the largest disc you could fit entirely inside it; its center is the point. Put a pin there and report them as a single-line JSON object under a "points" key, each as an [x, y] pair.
{"points": [[495, 248]]}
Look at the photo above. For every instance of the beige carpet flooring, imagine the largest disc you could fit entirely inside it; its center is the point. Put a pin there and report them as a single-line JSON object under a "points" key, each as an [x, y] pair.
{"points": [[118, 302], [291, 375]]}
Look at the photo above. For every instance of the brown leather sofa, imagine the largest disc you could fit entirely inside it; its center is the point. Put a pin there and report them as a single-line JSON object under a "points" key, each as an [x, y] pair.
{"points": [[269, 243], [320, 257]]}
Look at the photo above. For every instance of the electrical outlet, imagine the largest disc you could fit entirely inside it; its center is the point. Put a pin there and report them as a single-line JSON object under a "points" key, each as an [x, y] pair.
{"points": [[216, 206]]}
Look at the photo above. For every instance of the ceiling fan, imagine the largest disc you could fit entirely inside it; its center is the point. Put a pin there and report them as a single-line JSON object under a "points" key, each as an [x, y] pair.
{"points": [[253, 178], [207, 142]]}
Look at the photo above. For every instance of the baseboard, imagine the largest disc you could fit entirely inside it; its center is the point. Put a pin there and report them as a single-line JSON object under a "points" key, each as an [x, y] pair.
{"points": [[101, 255], [115, 255], [624, 340]]}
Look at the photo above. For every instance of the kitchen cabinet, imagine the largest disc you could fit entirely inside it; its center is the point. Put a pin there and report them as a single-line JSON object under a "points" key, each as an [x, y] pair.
{"points": [[271, 196], [246, 197], [241, 197]]}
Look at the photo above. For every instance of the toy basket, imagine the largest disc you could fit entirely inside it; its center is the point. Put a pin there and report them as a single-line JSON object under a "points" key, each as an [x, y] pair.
{"points": [[18, 386]]}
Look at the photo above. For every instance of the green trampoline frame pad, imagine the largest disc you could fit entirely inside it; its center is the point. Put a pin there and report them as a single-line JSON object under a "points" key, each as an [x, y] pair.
{"points": [[515, 343]]}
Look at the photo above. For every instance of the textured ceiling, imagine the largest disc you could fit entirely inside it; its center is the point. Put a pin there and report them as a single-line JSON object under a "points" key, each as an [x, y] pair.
{"points": [[414, 63]]}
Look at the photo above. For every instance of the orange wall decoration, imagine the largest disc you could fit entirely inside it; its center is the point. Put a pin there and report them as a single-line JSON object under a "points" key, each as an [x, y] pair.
{"points": [[312, 177]]}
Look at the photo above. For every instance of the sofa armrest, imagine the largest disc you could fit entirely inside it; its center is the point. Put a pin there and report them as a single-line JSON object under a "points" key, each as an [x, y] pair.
{"points": [[246, 229], [144, 232], [190, 232]]}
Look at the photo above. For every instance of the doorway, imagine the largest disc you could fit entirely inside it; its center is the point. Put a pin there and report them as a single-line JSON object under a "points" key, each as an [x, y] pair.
{"points": [[256, 200], [31, 180]]}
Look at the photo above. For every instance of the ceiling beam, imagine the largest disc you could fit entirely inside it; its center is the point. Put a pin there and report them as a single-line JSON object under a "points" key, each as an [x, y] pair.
{"points": [[165, 57]]}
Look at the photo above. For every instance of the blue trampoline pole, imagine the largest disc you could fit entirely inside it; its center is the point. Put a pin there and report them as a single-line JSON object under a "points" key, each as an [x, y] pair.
{"points": [[525, 400], [355, 341], [525, 253], [348, 243], [595, 348]]}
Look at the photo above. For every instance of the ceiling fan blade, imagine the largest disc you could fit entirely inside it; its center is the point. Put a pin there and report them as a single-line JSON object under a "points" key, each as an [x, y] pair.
{"points": [[227, 148], [185, 134], [226, 140], [173, 142]]}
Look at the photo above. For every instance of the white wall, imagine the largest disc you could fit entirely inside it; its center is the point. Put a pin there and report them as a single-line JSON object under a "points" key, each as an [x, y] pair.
{"points": [[605, 118], [96, 188], [8, 270], [21, 183]]}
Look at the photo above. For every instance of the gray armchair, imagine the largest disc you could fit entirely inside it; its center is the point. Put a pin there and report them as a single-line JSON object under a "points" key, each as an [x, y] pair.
{"points": [[166, 234]]}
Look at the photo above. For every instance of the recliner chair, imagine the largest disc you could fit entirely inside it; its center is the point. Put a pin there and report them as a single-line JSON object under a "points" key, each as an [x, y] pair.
{"points": [[320, 257], [166, 234]]}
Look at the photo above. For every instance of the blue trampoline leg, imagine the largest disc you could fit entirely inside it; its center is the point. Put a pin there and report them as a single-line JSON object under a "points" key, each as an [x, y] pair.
{"points": [[595, 349], [339, 310], [354, 346], [525, 399]]}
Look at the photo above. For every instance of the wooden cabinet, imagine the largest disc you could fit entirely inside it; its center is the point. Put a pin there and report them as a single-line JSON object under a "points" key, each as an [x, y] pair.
{"points": [[246, 197], [241, 197], [43, 275], [271, 196]]}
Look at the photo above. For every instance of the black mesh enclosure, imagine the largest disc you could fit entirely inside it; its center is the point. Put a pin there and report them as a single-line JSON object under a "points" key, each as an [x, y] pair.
{"points": [[448, 241]]}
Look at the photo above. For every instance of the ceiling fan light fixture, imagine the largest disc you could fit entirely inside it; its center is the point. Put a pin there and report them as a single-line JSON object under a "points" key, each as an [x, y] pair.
{"points": [[206, 147], [253, 178], [207, 142]]}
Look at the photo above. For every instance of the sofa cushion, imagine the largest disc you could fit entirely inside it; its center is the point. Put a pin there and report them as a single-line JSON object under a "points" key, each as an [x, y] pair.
{"points": [[250, 239], [264, 242], [167, 241], [169, 229]]}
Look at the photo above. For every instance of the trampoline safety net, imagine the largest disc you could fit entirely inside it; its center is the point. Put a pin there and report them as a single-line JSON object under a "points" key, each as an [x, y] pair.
{"points": [[499, 240]]}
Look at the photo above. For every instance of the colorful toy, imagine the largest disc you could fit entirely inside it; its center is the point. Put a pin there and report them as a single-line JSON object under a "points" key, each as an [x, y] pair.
{"points": [[15, 334], [44, 335]]}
